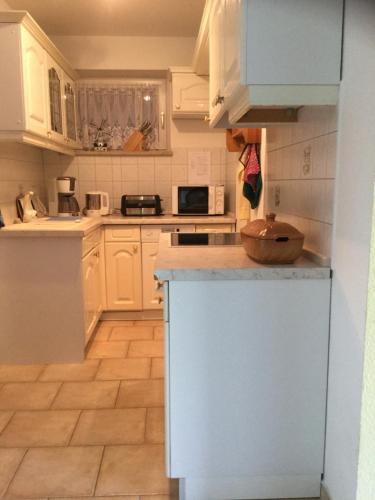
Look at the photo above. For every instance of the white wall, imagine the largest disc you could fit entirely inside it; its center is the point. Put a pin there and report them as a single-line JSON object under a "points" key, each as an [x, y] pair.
{"points": [[116, 52], [351, 247], [298, 192]]}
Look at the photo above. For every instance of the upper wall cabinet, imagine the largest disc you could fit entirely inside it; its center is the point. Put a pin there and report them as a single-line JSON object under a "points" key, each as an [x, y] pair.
{"points": [[37, 103], [274, 55], [189, 94]]}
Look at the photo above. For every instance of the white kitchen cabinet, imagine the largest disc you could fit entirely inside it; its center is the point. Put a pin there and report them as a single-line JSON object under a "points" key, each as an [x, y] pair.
{"points": [[189, 94], [246, 386], [34, 65], [123, 276], [92, 289], [216, 30], [269, 55], [70, 111], [151, 288], [32, 71], [55, 101]]}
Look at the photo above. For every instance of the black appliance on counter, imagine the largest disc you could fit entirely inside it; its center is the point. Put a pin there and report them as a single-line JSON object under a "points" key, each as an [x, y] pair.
{"points": [[141, 204]]}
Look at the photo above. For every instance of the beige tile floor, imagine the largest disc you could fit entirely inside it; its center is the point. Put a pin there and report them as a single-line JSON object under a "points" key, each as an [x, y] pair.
{"points": [[88, 430]]}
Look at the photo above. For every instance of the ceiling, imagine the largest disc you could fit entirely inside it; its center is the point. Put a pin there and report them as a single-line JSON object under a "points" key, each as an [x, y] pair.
{"points": [[177, 18]]}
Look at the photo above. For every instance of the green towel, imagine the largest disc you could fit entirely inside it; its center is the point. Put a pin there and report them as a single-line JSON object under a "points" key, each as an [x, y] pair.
{"points": [[250, 194]]}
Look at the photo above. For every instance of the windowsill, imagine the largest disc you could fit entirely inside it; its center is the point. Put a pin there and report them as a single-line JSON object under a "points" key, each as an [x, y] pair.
{"points": [[160, 152]]}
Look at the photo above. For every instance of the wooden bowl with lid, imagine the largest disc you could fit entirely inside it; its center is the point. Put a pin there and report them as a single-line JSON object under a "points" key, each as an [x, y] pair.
{"points": [[272, 242]]}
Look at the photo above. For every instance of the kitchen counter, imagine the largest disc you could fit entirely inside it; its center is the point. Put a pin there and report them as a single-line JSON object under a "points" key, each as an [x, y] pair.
{"points": [[82, 227], [226, 263]]}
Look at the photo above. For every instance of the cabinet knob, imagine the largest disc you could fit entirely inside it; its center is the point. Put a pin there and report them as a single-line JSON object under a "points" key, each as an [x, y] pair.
{"points": [[160, 300], [158, 285], [178, 106], [135, 248], [49, 134], [219, 99]]}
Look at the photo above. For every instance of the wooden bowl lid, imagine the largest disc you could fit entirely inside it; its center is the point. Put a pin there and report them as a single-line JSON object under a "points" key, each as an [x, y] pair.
{"points": [[270, 229]]}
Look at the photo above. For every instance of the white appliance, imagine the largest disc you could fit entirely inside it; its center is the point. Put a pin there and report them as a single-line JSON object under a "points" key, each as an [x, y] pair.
{"points": [[97, 203], [198, 199]]}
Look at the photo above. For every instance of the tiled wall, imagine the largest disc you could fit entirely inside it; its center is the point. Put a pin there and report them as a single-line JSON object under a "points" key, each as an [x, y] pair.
{"points": [[231, 167], [131, 175], [21, 169], [302, 193]]}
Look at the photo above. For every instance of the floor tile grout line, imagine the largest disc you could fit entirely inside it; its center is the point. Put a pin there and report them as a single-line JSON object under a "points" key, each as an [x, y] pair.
{"points": [[15, 473], [55, 397], [10, 418], [118, 393], [74, 428], [99, 469]]}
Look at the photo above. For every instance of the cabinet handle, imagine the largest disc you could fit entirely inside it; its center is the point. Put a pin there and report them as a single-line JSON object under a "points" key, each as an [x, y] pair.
{"points": [[219, 99], [160, 300], [162, 118], [178, 106], [158, 285], [49, 134], [135, 248]]}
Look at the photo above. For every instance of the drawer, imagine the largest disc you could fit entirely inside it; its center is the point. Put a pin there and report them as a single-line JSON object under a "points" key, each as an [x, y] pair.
{"points": [[90, 241], [151, 233], [122, 233], [214, 228]]}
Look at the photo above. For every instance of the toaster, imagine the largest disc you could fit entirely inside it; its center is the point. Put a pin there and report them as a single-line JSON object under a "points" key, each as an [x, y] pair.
{"points": [[141, 204]]}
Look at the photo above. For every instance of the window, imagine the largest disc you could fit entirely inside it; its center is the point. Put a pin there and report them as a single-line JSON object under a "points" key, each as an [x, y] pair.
{"points": [[112, 113]]}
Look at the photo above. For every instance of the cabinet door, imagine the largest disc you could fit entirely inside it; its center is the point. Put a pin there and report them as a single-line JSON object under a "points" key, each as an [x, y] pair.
{"points": [[151, 287], [55, 83], [70, 111], [124, 276], [35, 84], [190, 95], [89, 292], [216, 101], [232, 48]]}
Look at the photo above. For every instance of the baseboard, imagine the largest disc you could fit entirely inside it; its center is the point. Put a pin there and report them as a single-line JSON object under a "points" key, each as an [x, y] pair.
{"points": [[324, 495], [131, 315]]}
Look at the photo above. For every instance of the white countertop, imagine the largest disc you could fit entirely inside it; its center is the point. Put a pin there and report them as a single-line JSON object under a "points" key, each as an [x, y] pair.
{"points": [[226, 263], [68, 228]]}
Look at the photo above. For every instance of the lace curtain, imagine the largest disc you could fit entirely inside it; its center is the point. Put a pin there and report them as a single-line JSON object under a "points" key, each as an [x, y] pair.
{"points": [[118, 109]]}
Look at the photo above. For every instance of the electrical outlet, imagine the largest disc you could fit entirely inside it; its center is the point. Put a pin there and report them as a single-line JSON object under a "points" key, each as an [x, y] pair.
{"points": [[306, 167]]}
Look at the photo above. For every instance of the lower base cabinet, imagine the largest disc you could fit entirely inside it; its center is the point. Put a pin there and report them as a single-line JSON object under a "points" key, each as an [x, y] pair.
{"points": [[246, 377], [92, 292], [124, 276], [151, 288]]}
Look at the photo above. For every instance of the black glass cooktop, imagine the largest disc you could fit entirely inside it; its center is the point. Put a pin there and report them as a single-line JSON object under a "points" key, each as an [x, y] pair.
{"points": [[205, 239]]}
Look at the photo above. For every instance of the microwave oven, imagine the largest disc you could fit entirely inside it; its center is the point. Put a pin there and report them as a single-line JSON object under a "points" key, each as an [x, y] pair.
{"points": [[198, 200]]}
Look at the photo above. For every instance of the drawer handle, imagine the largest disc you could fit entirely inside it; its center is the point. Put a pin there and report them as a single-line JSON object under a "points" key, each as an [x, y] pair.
{"points": [[282, 239]]}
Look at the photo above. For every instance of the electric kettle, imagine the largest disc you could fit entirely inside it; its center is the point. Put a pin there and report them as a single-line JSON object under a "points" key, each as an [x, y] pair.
{"points": [[97, 203]]}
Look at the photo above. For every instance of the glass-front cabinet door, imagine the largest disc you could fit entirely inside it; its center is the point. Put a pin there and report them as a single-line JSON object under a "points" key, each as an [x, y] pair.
{"points": [[56, 131], [70, 110]]}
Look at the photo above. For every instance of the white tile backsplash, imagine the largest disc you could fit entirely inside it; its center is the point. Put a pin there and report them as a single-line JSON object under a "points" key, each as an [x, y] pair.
{"points": [[131, 175], [301, 163], [21, 169]]}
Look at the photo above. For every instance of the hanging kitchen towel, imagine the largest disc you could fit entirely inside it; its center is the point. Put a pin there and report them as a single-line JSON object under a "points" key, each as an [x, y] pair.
{"points": [[253, 184], [252, 167], [253, 195]]}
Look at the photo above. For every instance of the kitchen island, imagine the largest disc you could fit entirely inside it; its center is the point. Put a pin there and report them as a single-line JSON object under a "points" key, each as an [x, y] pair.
{"points": [[246, 351]]}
